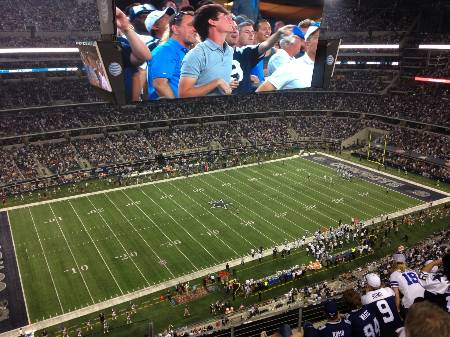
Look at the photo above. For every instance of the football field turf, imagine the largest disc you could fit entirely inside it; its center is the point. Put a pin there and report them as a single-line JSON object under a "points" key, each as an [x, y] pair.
{"points": [[78, 252]]}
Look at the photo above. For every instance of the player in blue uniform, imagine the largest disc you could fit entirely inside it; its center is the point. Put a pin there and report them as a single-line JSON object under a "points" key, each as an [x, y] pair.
{"points": [[381, 301], [363, 320]]}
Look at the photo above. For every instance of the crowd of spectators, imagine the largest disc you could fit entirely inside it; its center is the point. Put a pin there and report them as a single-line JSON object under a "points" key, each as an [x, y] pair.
{"points": [[428, 249], [45, 91], [21, 162], [46, 15], [361, 81], [418, 107]]}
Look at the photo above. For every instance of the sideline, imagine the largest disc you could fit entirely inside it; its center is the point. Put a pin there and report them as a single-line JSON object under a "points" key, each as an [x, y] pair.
{"points": [[140, 185], [130, 296]]}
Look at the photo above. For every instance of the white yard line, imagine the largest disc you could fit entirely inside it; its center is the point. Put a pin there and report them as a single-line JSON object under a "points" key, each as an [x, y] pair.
{"points": [[305, 185], [240, 219], [137, 185], [387, 174], [345, 187], [95, 245], [137, 232], [375, 191], [295, 200], [46, 261], [18, 267], [255, 213], [201, 223], [71, 253], [163, 233], [179, 225], [185, 278], [211, 213]]}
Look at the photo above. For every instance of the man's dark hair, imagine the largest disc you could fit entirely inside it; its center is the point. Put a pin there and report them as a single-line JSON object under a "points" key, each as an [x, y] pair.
{"points": [[158, 4], [257, 24], [203, 15], [178, 18], [446, 265]]}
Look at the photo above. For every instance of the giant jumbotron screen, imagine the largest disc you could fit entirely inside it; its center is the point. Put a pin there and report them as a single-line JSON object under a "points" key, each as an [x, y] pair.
{"points": [[215, 49]]}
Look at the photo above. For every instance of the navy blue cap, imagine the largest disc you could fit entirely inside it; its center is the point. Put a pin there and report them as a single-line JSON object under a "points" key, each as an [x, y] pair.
{"points": [[331, 308]]}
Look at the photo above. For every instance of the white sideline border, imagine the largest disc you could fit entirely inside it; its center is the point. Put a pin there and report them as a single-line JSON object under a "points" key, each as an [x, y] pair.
{"points": [[189, 277]]}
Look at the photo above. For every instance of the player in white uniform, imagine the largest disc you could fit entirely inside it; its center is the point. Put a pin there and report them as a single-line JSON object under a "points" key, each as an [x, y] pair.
{"points": [[404, 282]]}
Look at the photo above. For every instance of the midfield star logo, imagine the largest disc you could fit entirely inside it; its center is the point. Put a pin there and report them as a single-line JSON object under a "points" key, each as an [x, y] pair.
{"points": [[219, 204]]}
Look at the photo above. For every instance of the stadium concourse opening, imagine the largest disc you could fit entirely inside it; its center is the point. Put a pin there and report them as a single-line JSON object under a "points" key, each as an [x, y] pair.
{"points": [[231, 195]]}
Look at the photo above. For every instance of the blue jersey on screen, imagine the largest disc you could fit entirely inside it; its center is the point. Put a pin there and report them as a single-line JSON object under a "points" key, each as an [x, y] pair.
{"points": [[382, 303], [244, 59], [341, 328], [364, 323]]}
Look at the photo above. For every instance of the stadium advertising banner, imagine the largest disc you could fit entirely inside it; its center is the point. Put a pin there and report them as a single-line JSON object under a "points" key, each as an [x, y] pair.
{"points": [[188, 49]]}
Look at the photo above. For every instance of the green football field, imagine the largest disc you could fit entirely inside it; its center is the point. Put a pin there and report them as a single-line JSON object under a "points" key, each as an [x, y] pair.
{"points": [[78, 252]]}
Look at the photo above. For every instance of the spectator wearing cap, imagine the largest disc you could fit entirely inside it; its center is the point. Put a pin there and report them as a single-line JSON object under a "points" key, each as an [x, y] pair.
{"points": [[381, 301], [298, 73], [157, 22], [138, 17], [290, 46], [206, 69], [405, 283], [249, 8], [335, 325], [437, 285], [247, 54], [165, 67]]}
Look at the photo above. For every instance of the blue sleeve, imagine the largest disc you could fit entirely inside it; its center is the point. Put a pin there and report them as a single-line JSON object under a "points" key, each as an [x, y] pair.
{"points": [[258, 70], [193, 63], [162, 64]]}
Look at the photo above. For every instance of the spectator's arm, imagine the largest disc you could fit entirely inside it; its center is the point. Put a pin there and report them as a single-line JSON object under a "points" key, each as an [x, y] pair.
{"points": [[139, 51], [163, 88], [266, 86], [187, 88], [429, 266], [271, 41]]}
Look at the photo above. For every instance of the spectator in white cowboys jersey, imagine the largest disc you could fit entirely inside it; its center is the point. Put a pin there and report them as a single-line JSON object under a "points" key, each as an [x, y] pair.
{"points": [[437, 285], [405, 283], [381, 301]]}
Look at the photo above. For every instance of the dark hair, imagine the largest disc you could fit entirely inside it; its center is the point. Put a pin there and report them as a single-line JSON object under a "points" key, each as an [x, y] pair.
{"points": [[158, 4], [446, 265], [203, 15], [352, 298], [257, 23], [177, 18]]}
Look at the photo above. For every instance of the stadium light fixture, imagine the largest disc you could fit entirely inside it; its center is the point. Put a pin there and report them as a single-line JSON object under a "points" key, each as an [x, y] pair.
{"points": [[434, 80], [369, 46], [37, 50], [435, 46]]}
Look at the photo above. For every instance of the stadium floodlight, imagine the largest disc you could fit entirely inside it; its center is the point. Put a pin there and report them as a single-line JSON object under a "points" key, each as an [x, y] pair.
{"points": [[435, 80], [37, 50], [435, 46], [369, 46]]}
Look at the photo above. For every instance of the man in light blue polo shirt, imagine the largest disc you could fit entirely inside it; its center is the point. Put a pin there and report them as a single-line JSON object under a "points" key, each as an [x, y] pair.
{"points": [[165, 67], [206, 69]]}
